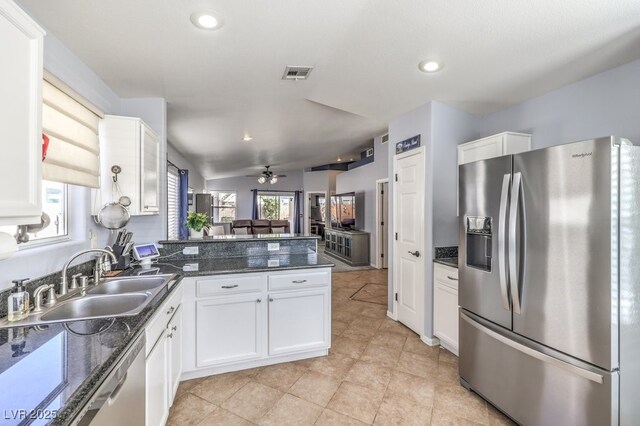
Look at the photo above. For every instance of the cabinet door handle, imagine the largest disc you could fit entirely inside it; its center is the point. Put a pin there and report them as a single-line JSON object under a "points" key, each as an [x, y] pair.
{"points": [[171, 309], [270, 299], [230, 286], [258, 300], [170, 336], [299, 281], [451, 278], [174, 328]]}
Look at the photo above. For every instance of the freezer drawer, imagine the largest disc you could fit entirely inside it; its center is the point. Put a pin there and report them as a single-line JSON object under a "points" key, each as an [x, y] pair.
{"points": [[532, 387]]}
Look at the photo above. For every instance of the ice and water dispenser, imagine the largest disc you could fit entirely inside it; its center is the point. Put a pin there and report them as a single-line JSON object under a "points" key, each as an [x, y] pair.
{"points": [[479, 242]]}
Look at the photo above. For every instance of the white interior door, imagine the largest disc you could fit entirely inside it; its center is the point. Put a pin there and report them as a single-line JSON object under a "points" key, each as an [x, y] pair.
{"points": [[409, 267]]}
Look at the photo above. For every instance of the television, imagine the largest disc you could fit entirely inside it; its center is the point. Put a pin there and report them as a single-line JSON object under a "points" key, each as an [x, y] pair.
{"points": [[347, 211]]}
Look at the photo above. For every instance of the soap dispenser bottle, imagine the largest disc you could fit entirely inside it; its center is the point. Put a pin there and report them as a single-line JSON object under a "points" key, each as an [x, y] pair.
{"points": [[18, 302]]}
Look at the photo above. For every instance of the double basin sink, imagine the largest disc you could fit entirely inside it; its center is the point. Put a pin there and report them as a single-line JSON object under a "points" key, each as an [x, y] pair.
{"points": [[115, 297]]}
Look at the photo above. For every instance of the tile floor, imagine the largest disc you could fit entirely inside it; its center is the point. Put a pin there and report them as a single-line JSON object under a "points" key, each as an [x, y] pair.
{"points": [[378, 372]]}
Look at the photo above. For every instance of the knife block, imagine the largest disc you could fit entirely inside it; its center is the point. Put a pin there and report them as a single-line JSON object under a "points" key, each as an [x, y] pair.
{"points": [[124, 260]]}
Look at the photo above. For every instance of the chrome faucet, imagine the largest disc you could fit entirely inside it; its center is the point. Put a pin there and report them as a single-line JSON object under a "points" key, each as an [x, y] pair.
{"points": [[64, 287]]}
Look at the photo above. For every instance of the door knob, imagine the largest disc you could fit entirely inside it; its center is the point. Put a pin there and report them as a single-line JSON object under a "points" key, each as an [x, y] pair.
{"points": [[415, 253]]}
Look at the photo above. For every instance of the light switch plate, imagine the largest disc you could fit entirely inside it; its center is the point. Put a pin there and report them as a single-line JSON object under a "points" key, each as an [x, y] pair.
{"points": [[273, 246], [273, 263], [190, 250]]}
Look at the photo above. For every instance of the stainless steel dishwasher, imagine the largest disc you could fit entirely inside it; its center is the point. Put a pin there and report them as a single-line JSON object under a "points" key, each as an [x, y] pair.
{"points": [[121, 398]]}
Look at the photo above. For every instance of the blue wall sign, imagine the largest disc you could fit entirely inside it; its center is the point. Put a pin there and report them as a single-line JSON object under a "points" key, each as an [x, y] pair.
{"points": [[408, 144]]}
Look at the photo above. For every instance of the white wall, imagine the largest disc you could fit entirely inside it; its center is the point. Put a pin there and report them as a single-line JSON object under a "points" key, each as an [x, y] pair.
{"points": [[196, 180], [363, 179], [243, 186]]}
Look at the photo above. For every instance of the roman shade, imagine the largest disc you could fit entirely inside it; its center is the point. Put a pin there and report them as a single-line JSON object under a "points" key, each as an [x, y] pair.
{"points": [[73, 156]]}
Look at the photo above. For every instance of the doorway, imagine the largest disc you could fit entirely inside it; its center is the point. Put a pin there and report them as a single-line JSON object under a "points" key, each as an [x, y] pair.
{"points": [[382, 221], [408, 248], [315, 208]]}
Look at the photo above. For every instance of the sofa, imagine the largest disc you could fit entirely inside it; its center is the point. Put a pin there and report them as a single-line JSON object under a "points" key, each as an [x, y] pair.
{"points": [[260, 226]]}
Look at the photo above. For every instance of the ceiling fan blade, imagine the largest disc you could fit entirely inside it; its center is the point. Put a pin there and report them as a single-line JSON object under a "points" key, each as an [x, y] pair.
{"points": [[279, 176]]}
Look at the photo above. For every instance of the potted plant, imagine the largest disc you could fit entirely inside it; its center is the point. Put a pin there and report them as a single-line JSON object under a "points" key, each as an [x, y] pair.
{"points": [[196, 223]]}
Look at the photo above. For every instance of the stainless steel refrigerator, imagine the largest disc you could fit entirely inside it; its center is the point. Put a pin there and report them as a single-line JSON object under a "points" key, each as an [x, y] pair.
{"points": [[549, 288]]}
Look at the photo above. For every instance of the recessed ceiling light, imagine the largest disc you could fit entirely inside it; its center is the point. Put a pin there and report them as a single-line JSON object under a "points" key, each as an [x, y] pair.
{"points": [[247, 138], [206, 20], [429, 66]]}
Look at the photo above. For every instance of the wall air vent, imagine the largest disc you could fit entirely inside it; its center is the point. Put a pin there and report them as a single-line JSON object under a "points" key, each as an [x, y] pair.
{"points": [[385, 138], [296, 73]]}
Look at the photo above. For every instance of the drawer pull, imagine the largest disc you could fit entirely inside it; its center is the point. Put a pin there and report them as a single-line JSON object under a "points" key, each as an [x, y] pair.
{"points": [[299, 281], [171, 309], [270, 299], [451, 278], [258, 300], [230, 286]]}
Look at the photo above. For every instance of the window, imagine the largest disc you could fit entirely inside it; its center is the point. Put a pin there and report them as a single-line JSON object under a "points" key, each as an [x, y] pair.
{"points": [[224, 206], [54, 204], [173, 204], [276, 206]]}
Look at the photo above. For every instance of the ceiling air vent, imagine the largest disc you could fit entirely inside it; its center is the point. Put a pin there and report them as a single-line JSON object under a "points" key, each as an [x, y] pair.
{"points": [[296, 73]]}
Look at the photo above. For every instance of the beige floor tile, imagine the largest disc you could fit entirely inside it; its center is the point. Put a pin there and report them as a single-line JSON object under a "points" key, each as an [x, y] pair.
{"points": [[337, 327], [448, 375], [381, 355], [220, 416], [388, 339], [400, 411], [189, 410], [315, 387], [359, 333], [356, 401], [217, 389], [418, 365], [344, 316], [369, 374], [331, 418], [444, 418], [280, 376], [252, 401], [456, 400], [496, 418], [374, 311], [187, 385], [417, 346], [395, 327], [350, 347], [291, 411], [448, 357], [335, 365], [408, 386]]}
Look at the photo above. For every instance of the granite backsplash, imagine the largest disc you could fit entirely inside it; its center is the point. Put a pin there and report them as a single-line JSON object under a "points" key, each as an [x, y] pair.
{"points": [[238, 248], [444, 252]]}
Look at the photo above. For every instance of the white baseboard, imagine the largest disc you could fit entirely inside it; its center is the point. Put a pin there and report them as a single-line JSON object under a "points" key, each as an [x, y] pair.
{"points": [[392, 316], [431, 342]]}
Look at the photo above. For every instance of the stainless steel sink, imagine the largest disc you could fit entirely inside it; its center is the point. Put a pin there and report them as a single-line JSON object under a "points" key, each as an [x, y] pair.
{"points": [[115, 297], [128, 285], [104, 306]]}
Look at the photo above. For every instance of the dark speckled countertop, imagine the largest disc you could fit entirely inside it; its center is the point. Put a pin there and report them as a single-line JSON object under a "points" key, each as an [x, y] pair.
{"points": [[449, 261], [56, 369]]}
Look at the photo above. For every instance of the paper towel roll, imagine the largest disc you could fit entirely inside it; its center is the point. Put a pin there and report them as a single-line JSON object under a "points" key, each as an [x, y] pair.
{"points": [[8, 245]]}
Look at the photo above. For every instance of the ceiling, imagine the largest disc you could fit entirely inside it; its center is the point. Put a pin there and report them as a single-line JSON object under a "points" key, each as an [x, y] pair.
{"points": [[223, 84]]}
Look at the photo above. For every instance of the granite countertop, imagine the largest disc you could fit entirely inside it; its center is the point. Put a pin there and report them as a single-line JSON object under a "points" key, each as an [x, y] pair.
{"points": [[448, 261], [232, 265], [57, 368], [250, 237]]}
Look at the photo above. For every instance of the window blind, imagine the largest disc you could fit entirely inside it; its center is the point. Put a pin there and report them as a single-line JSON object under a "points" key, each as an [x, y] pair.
{"points": [[73, 156], [172, 204]]}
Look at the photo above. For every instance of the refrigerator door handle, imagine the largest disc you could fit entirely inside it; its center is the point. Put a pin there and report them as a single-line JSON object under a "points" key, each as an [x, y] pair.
{"points": [[513, 254], [502, 242], [581, 372]]}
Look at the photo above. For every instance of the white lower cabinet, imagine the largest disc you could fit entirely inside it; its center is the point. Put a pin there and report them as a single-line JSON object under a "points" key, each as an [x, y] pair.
{"points": [[445, 306], [228, 329], [298, 321], [163, 363], [238, 321]]}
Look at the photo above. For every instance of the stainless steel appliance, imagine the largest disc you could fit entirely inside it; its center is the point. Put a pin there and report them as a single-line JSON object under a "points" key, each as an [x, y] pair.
{"points": [[550, 283], [120, 400]]}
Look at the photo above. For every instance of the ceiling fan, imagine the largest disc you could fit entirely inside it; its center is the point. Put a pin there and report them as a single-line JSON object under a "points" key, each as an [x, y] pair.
{"points": [[267, 176]]}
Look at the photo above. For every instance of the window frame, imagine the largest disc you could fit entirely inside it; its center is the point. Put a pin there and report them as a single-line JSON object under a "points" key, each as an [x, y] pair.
{"points": [[170, 171], [218, 207]]}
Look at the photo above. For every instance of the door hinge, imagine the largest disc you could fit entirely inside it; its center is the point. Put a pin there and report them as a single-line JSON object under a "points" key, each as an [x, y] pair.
{"points": [[382, 223], [396, 177], [396, 297], [382, 192], [396, 236], [381, 254]]}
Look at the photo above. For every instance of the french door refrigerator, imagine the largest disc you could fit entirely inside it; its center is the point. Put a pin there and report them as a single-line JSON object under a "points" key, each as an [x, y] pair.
{"points": [[549, 289]]}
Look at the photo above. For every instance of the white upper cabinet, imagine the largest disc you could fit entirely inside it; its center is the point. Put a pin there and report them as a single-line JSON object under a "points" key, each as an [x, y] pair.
{"points": [[21, 112], [493, 146], [129, 143]]}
